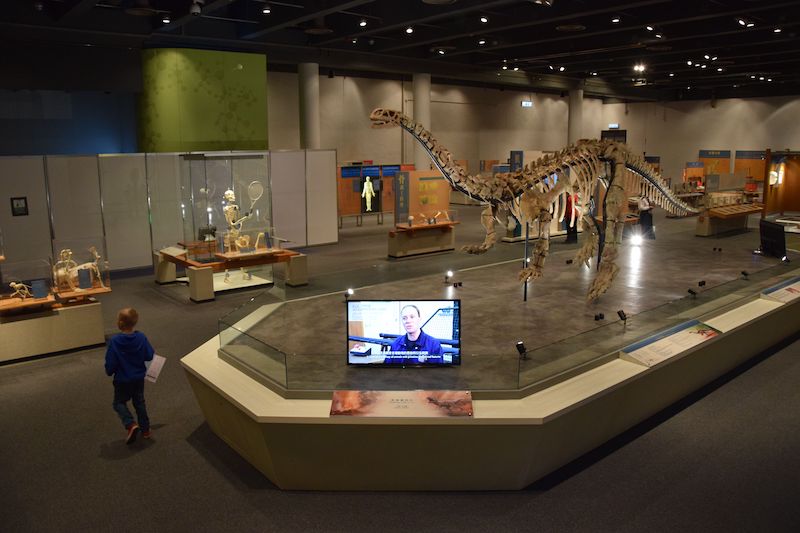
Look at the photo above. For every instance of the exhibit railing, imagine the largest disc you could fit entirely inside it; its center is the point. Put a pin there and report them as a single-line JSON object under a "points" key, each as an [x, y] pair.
{"points": [[300, 345]]}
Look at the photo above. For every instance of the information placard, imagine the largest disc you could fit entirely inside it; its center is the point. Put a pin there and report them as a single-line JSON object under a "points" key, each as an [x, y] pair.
{"points": [[669, 343], [402, 404]]}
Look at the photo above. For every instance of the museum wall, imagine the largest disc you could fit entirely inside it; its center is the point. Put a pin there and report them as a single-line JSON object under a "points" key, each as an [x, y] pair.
{"points": [[677, 130], [34, 122]]}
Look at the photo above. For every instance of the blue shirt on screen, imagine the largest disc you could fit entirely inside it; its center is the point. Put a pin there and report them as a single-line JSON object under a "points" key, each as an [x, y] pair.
{"points": [[424, 343]]}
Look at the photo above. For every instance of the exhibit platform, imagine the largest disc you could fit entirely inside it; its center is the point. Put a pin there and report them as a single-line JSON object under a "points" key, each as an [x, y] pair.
{"points": [[268, 393]]}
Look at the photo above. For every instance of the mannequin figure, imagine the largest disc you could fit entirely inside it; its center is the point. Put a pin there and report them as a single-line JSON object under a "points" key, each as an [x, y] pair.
{"points": [[368, 193]]}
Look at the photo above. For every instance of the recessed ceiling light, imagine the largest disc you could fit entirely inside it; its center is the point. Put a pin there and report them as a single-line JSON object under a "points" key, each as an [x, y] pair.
{"points": [[516, 69], [362, 23], [355, 40], [482, 42], [671, 74], [266, 9], [649, 28], [713, 58], [777, 30], [735, 85], [719, 69], [615, 20], [410, 29], [752, 77], [704, 66], [484, 19], [440, 51], [659, 36], [550, 67], [594, 73], [505, 67], [689, 62], [761, 78], [688, 87], [769, 79], [742, 22], [707, 56], [562, 69], [165, 19], [750, 24]]}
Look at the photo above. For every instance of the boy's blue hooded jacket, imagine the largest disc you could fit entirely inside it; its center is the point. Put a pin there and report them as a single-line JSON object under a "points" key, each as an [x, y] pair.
{"points": [[126, 355]]}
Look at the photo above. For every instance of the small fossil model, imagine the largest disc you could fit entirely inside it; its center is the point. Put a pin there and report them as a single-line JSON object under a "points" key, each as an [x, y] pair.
{"points": [[532, 195], [20, 290]]}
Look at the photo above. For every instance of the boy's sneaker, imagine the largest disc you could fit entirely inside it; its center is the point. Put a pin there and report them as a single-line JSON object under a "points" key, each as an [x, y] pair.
{"points": [[147, 434], [133, 431]]}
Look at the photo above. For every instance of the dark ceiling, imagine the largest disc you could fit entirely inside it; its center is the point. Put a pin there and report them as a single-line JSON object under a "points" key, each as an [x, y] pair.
{"points": [[736, 47]]}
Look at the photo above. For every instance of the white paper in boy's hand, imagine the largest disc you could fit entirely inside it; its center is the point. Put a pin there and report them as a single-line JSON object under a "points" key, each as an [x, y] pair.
{"points": [[154, 367]]}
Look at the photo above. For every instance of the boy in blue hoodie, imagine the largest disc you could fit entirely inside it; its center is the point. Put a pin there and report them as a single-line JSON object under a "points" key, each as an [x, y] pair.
{"points": [[125, 360]]}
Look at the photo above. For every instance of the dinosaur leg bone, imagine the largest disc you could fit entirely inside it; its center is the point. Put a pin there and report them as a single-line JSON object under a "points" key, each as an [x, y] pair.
{"points": [[487, 220], [540, 249]]}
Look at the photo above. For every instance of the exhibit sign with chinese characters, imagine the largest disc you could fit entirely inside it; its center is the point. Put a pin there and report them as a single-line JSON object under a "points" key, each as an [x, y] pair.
{"points": [[402, 404]]}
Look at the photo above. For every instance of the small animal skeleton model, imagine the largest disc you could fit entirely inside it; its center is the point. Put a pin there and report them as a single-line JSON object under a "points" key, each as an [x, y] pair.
{"points": [[532, 194], [232, 215], [65, 271], [20, 290]]}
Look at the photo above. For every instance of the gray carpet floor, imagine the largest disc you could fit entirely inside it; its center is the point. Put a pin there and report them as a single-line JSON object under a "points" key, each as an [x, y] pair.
{"points": [[724, 459]]}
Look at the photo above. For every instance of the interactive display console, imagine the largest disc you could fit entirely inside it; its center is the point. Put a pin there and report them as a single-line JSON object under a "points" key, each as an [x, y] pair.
{"points": [[404, 332]]}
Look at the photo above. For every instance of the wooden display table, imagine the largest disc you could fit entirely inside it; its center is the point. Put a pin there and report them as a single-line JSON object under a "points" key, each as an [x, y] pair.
{"points": [[201, 273], [12, 304], [405, 240], [726, 218]]}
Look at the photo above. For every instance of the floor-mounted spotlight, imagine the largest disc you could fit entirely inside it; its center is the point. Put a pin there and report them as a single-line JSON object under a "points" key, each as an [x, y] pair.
{"points": [[622, 316], [599, 316], [745, 273], [523, 353], [701, 283], [637, 240], [692, 292], [447, 276], [347, 294]]}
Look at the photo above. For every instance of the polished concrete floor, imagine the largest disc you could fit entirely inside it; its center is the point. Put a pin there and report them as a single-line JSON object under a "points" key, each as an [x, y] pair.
{"points": [[724, 459]]}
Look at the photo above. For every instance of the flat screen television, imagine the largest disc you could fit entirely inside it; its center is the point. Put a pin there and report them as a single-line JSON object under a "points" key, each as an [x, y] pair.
{"points": [[404, 332]]}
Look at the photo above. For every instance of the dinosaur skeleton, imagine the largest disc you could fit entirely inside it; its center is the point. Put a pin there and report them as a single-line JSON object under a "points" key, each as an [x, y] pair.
{"points": [[537, 194]]}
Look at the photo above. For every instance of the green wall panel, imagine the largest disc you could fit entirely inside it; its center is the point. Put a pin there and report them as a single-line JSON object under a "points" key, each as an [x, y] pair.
{"points": [[197, 100]]}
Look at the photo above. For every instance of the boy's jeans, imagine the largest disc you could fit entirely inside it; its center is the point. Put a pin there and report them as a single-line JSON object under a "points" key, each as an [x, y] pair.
{"points": [[123, 392]]}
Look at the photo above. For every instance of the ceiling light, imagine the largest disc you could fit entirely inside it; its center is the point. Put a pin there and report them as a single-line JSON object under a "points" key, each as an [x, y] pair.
{"points": [[719, 69], [688, 87], [441, 51], [516, 69], [354, 41], [752, 77], [505, 67], [362, 23], [547, 3], [742, 22], [266, 10], [769, 79], [639, 67], [689, 62], [550, 67], [750, 24], [649, 28], [482, 42], [776, 30], [562, 69], [484, 19], [594, 73], [165, 19], [659, 36], [761, 78], [410, 29], [704, 66], [671, 74], [707, 56], [615, 20]]}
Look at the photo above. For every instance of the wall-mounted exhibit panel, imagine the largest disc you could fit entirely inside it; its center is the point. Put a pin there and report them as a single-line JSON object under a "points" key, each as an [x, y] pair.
{"points": [[321, 219], [164, 198], [26, 231], [123, 184], [288, 178], [75, 202]]}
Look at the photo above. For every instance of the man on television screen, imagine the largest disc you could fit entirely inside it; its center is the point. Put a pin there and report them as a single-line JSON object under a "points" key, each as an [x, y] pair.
{"points": [[415, 340]]}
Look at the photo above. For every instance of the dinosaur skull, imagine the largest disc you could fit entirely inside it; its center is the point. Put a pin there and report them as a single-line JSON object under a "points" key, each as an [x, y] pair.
{"points": [[386, 118]]}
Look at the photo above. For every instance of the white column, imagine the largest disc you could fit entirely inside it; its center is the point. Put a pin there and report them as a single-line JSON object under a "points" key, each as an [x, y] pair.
{"points": [[575, 121], [422, 115], [308, 74]]}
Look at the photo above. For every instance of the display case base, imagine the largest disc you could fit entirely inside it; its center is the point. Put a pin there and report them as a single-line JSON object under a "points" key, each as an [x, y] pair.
{"points": [[407, 241], [56, 330]]}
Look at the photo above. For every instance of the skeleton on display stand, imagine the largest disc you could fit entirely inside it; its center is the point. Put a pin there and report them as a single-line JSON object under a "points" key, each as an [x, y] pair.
{"points": [[234, 239], [65, 271], [20, 290], [537, 194]]}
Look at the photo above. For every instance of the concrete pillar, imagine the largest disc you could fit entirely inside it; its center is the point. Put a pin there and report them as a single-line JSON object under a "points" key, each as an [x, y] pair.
{"points": [[308, 74], [575, 121], [422, 115]]}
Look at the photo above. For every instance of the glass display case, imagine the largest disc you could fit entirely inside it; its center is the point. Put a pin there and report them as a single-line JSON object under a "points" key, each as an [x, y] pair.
{"points": [[226, 199], [25, 284], [79, 271], [312, 359]]}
